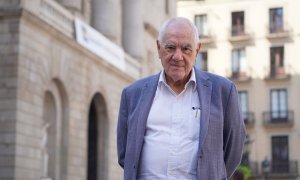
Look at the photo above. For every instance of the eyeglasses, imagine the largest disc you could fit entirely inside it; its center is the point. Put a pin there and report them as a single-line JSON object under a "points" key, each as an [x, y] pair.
{"points": [[171, 48]]}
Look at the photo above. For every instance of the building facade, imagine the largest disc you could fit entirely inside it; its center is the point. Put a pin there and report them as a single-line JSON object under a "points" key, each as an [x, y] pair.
{"points": [[256, 44], [62, 68]]}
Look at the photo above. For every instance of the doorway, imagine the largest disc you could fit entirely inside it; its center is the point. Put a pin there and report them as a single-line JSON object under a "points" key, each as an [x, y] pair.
{"points": [[97, 139]]}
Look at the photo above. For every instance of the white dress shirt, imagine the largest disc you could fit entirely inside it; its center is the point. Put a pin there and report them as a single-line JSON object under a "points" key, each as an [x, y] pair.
{"points": [[172, 134]]}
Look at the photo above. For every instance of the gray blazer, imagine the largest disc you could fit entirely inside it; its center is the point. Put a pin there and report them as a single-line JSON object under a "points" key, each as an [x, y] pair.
{"points": [[222, 130]]}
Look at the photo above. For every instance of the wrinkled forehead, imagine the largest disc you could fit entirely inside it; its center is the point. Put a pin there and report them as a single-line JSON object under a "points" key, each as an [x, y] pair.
{"points": [[179, 30], [179, 35]]}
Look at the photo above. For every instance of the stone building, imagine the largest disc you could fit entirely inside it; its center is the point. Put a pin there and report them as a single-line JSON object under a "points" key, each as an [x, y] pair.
{"points": [[256, 44], [63, 64]]}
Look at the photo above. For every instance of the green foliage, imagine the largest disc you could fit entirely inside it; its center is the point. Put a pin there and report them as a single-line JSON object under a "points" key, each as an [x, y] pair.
{"points": [[245, 170]]}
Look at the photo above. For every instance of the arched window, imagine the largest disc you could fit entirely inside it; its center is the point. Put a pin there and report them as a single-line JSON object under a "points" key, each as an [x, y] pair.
{"points": [[97, 139], [49, 136], [54, 132]]}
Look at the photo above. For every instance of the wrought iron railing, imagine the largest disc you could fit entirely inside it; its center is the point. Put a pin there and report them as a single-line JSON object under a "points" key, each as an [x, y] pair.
{"points": [[274, 72], [240, 33], [278, 117], [278, 72], [240, 75], [238, 30], [206, 38], [275, 31], [248, 118], [279, 28], [281, 168]]}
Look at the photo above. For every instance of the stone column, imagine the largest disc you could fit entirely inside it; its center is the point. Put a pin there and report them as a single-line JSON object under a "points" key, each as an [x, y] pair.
{"points": [[75, 6], [133, 28], [106, 18]]}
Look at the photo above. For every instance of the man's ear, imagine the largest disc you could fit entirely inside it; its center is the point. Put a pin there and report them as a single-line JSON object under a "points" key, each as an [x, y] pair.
{"points": [[158, 47], [198, 47]]}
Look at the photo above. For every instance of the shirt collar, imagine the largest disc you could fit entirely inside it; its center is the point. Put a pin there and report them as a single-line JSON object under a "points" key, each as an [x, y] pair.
{"points": [[192, 81]]}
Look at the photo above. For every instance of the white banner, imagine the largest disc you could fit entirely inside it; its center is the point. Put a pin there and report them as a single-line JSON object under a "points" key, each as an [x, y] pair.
{"points": [[91, 39]]}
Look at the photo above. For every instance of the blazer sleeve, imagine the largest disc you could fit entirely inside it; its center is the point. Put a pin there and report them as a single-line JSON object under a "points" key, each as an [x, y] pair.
{"points": [[122, 129], [234, 132]]}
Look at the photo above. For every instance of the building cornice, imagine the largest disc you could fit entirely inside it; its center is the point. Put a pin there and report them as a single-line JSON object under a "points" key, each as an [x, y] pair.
{"points": [[58, 22]]}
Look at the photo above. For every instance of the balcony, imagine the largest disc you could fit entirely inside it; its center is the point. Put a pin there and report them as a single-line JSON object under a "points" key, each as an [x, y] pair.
{"points": [[282, 170], [241, 76], [239, 34], [278, 73], [276, 31], [278, 118], [206, 39], [249, 119]]}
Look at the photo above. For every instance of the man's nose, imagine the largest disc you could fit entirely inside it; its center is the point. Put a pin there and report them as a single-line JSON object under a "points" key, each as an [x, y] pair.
{"points": [[178, 55]]}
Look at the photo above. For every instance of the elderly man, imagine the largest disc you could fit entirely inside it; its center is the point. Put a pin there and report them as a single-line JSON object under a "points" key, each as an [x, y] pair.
{"points": [[181, 123]]}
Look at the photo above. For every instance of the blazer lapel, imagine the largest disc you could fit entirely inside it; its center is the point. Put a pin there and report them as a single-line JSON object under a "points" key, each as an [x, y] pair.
{"points": [[204, 88], [147, 96]]}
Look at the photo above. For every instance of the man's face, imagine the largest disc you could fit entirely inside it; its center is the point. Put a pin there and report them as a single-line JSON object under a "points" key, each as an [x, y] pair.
{"points": [[178, 51]]}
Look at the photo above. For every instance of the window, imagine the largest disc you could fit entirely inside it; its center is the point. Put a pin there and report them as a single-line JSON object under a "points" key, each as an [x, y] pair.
{"points": [[239, 65], [279, 105], [201, 62], [201, 24], [237, 22], [243, 95], [276, 20], [280, 154], [277, 61]]}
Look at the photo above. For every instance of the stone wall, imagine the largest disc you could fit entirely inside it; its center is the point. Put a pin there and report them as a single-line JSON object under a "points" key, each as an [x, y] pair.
{"points": [[9, 38], [50, 83]]}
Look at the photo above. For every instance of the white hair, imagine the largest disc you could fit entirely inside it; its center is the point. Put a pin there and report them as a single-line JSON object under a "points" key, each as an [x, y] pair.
{"points": [[163, 28]]}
